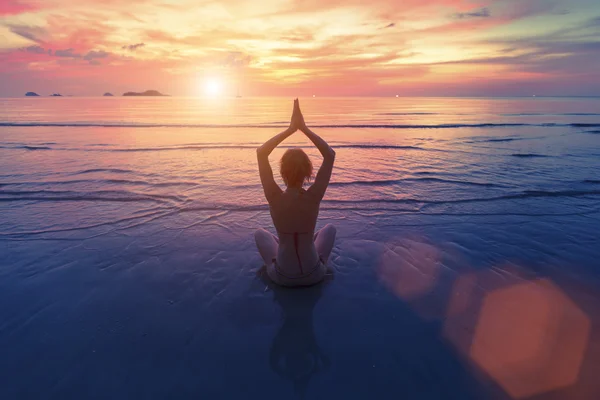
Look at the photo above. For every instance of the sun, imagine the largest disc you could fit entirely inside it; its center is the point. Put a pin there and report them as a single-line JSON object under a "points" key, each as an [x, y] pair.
{"points": [[213, 87]]}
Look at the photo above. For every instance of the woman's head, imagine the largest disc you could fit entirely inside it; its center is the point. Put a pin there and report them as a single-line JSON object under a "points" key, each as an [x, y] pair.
{"points": [[295, 168]]}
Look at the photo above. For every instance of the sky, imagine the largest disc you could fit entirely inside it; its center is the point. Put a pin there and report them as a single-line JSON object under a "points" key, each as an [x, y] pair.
{"points": [[301, 47]]}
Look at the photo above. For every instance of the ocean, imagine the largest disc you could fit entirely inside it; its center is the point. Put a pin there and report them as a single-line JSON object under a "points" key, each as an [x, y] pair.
{"points": [[466, 264]]}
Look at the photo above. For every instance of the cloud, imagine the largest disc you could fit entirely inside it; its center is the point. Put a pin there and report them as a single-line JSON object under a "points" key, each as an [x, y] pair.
{"points": [[34, 49], [517, 9], [297, 36], [91, 56], [562, 12], [14, 7], [133, 47], [33, 33], [592, 23], [556, 58], [66, 53], [95, 54], [236, 59], [480, 13]]}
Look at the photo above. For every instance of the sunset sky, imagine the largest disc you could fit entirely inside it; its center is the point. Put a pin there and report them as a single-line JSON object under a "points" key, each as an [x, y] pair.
{"points": [[301, 47]]}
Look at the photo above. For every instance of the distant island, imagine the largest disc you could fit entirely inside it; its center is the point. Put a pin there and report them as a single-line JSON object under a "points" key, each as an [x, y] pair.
{"points": [[107, 94], [56, 95], [32, 94], [146, 93]]}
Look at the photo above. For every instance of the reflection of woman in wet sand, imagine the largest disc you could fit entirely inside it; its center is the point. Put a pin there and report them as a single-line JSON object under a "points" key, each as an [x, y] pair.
{"points": [[296, 257], [295, 354]]}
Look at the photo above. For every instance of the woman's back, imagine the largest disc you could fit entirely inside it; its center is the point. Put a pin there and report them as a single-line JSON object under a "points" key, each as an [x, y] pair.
{"points": [[295, 210], [295, 214]]}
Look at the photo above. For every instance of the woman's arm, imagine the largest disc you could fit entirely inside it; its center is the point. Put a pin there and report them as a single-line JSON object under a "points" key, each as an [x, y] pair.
{"points": [[267, 148], [324, 174], [326, 151], [270, 187]]}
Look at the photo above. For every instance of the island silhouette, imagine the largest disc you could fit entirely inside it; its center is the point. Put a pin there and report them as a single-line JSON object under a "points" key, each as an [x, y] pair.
{"points": [[146, 93], [32, 94]]}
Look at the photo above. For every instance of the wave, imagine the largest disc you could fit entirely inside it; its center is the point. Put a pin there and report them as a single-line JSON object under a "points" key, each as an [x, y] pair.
{"points": [[424, 172], [220, 147], [217, 147], [585, 125], [103, 195], [524, 195], [80, 198], [22, 144], [271, 126], [378, 146], [497, 140], [101, 182], [174, 148], [372, 183], [408, 113], [347, 205], [328, 204], [389, 182], [529, 155], [542, 193], [151, 213], [593, 132], [111, 170], [244, 147], [26, 147], [265, 207], [502, 140], [553, 114]]}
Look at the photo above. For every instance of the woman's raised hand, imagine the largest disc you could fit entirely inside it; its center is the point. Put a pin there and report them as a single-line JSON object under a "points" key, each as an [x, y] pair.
{"points": [[297, 121]]}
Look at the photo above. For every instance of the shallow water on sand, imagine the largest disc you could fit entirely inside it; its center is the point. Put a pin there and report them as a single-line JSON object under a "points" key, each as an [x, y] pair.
{"points": [[466, 263]]}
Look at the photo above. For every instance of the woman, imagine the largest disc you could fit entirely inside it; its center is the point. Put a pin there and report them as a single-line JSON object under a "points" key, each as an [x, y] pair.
{"points": [[296, 258]]}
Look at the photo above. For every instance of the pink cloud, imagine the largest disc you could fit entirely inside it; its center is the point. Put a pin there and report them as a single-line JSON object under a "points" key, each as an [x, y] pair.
{"points": [[13, 7]]}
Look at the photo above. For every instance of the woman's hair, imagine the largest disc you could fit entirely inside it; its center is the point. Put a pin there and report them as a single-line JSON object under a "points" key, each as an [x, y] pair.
{"points": [[295, 167]]}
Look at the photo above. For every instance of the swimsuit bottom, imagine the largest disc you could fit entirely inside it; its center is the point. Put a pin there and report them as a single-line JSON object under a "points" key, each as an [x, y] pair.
{"points": [[283, 278]]}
